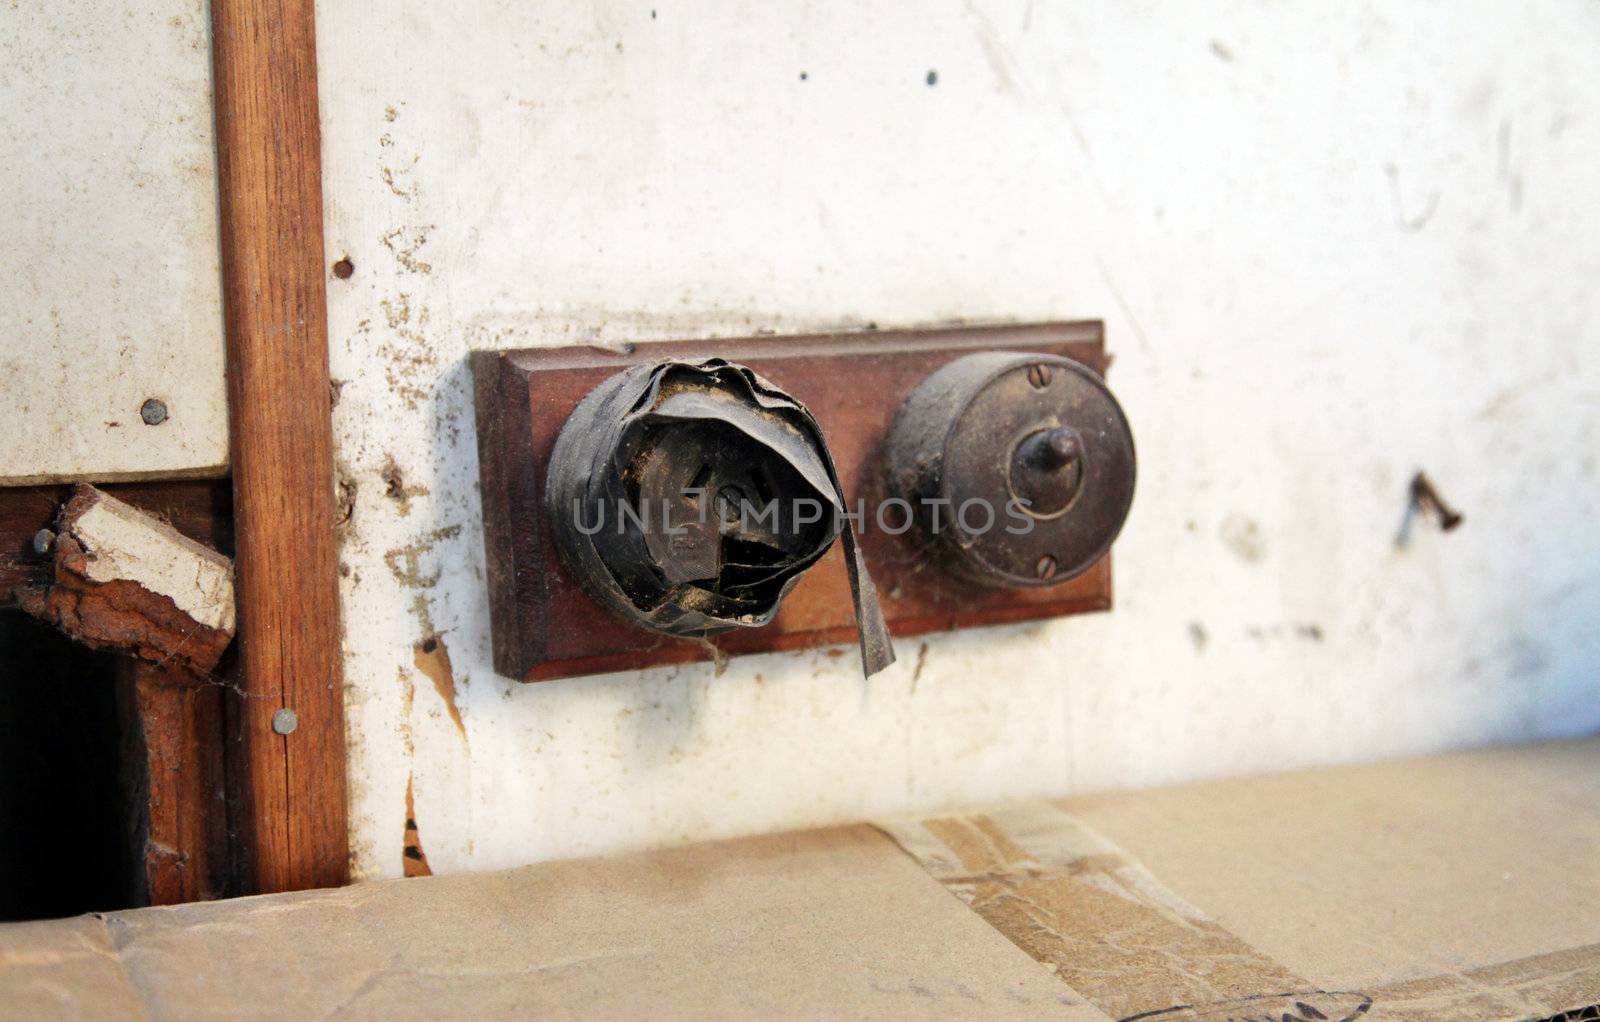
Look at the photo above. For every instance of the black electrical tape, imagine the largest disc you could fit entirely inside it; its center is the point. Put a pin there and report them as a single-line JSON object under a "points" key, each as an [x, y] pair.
{"points": [[645, 431]]}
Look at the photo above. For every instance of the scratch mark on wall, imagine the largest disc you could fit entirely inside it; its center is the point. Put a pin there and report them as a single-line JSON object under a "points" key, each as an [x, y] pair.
{"points": [[408, 700], [1503, 400], [1082, 142], [922, 661], [1407, 223], [1122, 303], [1504, 170], [995, 50]]}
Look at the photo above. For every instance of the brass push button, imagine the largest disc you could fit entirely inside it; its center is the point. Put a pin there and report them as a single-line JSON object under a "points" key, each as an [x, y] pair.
{"points": [[1020, 466], [1047, 471]]}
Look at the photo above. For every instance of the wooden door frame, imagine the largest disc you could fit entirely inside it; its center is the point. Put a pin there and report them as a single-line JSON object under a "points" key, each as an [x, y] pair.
{"points": [[289, 763]]}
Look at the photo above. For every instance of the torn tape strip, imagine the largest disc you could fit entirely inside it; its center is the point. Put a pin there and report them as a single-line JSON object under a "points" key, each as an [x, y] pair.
{"points": [[1128, 944]]}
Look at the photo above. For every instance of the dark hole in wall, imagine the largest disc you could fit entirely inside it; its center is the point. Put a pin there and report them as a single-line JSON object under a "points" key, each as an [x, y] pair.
{"points": [[63, 846]]}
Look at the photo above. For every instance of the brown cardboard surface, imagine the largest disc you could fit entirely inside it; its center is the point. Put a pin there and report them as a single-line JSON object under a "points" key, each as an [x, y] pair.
{"points": [[1098, 919], [1461, 888], [64, 968], [820, 924], [1373, 874]]}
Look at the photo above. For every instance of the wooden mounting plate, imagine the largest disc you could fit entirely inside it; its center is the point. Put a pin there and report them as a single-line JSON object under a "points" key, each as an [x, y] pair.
{"points": [[545, 627]]}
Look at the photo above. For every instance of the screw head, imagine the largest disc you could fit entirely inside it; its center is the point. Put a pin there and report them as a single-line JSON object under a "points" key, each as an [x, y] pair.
{"points": [[1046, 568], [285, 721], [153, 411], [1039, 375]]}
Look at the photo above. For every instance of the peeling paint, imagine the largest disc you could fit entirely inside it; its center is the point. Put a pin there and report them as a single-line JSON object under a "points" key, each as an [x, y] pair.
{"points": [[432, 658], [413, 860]]}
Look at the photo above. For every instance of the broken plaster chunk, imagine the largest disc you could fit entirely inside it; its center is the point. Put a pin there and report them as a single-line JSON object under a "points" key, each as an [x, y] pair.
{"points": [[122, 542], [123, 579]]}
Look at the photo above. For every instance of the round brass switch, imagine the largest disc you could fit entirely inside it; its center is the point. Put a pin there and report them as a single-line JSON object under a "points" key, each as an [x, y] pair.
{"points": [[1020, 466]]}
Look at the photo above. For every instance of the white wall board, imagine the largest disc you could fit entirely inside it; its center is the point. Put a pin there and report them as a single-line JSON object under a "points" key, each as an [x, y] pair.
{"points": [[108, 194], [1333, 245]]}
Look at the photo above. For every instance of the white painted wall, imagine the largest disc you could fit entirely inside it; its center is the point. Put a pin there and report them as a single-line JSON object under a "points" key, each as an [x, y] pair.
{"points": [[112, 288], [1332, 246]]}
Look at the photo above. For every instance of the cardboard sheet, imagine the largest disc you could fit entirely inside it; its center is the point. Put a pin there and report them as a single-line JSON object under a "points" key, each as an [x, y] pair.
{"points": [[1098, 919], [1366, 875], [1462, 888], [835, 923], [1451, 889]]}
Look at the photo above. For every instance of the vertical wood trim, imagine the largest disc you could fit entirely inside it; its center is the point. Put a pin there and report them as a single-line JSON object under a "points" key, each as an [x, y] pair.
{"points": [[270, 178]]}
